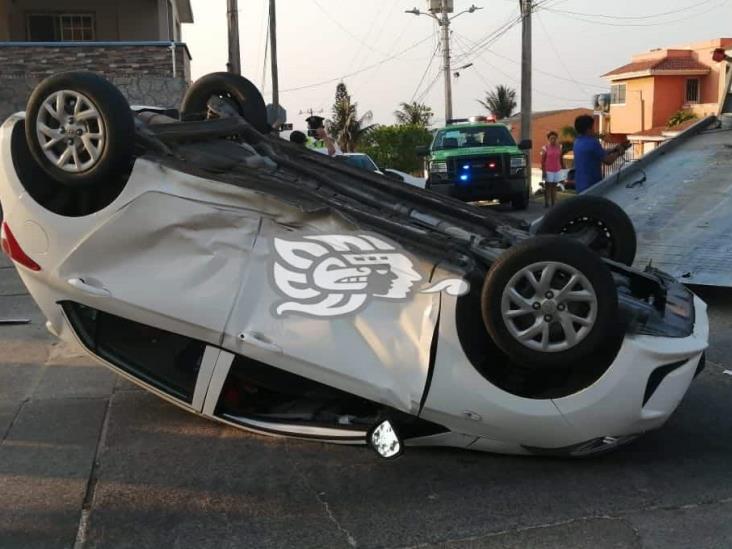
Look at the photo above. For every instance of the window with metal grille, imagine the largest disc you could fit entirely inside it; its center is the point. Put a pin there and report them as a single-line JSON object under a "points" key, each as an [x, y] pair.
{"points": [[692, 90], [60, 27], [617, 94]]}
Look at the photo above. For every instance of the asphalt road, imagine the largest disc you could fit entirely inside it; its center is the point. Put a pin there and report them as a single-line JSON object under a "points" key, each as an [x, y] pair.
{"points": [[87, 460]]}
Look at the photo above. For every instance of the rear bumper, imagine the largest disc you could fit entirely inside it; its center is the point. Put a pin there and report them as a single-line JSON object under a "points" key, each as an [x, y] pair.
{"points": [[481, 190]]}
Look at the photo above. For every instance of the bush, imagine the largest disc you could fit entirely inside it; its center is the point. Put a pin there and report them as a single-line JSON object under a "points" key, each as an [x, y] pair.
{"points": [[680, 117], [395, 146]]}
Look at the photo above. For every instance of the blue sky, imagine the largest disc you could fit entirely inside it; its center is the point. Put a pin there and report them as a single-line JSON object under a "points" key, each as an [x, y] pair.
{"points": [[322, 41]]}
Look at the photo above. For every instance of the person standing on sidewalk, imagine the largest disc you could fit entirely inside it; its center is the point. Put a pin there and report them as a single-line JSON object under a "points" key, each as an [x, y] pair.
{"points": [[551, 168]]}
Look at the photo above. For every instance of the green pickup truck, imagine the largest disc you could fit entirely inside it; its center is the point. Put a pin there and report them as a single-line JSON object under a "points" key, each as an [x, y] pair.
{"points": [[475, 159]]}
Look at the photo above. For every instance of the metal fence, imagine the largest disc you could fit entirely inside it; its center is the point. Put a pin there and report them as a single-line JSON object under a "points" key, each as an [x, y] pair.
{"points": [[627, 158]]}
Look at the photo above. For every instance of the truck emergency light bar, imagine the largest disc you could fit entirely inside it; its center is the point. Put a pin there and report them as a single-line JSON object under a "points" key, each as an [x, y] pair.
{"points": [[473, 119]]}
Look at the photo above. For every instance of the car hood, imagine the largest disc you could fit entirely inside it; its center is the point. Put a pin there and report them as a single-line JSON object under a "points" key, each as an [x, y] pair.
{"points": [[472, 151]]}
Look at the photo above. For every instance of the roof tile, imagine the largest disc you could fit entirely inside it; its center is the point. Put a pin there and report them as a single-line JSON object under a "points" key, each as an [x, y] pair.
{"points": [[663, 64]]}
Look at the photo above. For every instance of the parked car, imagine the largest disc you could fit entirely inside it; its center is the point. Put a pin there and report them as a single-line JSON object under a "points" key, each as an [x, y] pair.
{"points": [[405, 177], [271, 288], [359, 160], [477, 159]]}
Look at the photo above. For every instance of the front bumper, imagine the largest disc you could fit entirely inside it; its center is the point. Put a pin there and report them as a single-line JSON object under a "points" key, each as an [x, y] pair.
{"points": [[643, 387], [481, 189]]}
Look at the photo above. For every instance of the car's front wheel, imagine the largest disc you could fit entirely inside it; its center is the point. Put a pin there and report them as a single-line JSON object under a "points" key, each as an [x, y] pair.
{"points": [[550, 302]]}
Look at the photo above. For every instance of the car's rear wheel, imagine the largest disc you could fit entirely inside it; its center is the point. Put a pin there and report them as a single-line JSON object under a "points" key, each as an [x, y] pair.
{"points": [[80, 129], [236, 90], [598, 223], [550, 302]]}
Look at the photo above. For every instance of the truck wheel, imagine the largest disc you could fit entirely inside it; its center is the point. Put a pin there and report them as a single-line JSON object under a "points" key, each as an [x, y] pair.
{"points": [[80, 129], [521, 200], [550, 302], [596, 222], [237, 90]]}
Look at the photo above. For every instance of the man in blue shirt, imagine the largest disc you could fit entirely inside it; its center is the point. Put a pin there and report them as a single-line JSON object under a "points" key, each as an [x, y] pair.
{"points": [[589, 154]]}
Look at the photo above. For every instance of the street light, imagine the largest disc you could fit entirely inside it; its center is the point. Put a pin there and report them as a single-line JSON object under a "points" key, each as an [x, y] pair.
{"points": [[444, 22], [456, 74]]}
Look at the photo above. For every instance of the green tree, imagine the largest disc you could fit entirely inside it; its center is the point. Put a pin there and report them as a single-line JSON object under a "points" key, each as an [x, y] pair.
{"points": [[346, 127], [567, 135], [500, 102], [414, 114], [395, 146]]}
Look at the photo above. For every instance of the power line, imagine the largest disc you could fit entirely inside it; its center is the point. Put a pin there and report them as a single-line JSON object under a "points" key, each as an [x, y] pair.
{"points": [[625, 25], [345, 30], [426, 70], [546, 73], [359, 71], [635, 17], [490, 38], [375, 40], [428, 89], [559, 56], [516, 81]]}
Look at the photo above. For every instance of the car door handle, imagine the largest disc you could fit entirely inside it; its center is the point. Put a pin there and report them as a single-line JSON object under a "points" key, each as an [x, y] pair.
{"points": [[83, 286], [258, 340]]}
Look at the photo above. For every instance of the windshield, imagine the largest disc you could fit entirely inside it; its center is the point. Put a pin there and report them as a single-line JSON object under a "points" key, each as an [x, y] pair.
{"points": [[480, 136], [362, 161]]}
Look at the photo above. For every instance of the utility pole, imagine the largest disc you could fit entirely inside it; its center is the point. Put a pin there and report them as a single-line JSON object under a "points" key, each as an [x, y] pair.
{"points": [[232, 12], [445, 25], [273, 54], [444, 20], [526, 108]]}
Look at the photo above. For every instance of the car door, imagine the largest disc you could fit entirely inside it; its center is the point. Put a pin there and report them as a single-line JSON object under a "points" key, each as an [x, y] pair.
{"points": [[149, 290], [379, 350]]}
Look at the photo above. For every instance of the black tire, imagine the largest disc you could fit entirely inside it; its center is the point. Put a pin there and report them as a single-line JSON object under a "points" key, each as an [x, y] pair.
{"points": [[602, 332], [616, 239], [240, 92], [521, 200], [115, 151]]}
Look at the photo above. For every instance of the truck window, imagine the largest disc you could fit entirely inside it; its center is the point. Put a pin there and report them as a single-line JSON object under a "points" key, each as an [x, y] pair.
{"points": [[481, 136]]}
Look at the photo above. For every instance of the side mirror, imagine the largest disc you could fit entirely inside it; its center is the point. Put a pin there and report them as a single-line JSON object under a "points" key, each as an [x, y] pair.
{"points": [[385, 440], [525, 145], [423, 150], [394, 176]]}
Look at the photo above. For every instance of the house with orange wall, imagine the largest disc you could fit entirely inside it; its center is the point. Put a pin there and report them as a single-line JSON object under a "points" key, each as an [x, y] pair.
{"points": [[655, 85]]}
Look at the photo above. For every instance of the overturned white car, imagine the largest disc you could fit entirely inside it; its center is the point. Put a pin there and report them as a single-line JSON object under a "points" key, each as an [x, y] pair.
{"points": [[252, 281]]}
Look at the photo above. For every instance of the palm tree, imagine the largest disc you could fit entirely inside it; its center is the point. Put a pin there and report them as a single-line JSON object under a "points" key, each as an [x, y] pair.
{"points": [[347, 127], [500, 102], [414, 114]]}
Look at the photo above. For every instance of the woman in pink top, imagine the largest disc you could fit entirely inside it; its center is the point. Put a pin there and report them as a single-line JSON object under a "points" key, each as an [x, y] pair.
{"points": [[551, 168]]}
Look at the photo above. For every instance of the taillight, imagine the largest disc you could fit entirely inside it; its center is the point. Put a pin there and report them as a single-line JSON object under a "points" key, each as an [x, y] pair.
{"points": [[12, 249]]}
